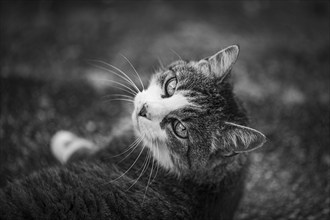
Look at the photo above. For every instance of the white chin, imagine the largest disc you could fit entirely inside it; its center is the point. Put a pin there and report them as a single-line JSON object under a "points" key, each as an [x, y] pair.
{"points": [[136, 122]]}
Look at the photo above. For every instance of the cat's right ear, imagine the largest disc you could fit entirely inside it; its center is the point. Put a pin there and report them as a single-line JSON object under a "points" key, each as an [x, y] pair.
{"points": [[222, 62], [234, 139]]}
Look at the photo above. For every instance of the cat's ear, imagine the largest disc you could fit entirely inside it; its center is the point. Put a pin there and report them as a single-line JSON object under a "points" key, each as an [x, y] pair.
{"points": [[236, 138], [222, 62]]}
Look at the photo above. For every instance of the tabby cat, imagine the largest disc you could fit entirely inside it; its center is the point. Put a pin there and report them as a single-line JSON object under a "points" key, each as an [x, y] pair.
{"points": [[187, 160]]}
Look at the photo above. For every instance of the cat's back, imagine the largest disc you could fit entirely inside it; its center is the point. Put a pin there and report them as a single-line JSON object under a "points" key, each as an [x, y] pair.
{"points": [[85, 190]]}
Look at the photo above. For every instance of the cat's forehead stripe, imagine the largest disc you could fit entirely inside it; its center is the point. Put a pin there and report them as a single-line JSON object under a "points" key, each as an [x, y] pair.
{"points": [[174, 69], [176, 64], [175, 102]]}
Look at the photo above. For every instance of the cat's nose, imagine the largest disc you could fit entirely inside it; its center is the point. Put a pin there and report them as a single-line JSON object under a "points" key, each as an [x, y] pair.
{"points": [[143, 111]]}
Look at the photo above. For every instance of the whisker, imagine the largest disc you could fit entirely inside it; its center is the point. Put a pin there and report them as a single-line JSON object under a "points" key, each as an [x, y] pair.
{"points": [[120, 71], [111, 71], [131, 151], [173, 51], [134, 70], [145, 167], [132, 145], [127, 100], [119, 96], [125, 90], [130, 166], [118, 83], [161, 63], [128, 96], [133, 92], [152, 167], [157, 168]]}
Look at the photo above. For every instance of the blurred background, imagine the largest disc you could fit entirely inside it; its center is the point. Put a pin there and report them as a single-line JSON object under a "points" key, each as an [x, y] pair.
{"points": [[282, 75]]}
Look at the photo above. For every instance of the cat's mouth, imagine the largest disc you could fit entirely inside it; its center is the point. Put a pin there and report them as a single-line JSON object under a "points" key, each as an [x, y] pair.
{"points": [[142, 126], [139, 114], [149, 130], [147, 115], [138, 122]]}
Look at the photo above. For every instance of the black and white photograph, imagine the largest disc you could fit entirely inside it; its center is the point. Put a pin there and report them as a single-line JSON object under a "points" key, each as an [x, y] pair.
{"points": [[165, 110]]}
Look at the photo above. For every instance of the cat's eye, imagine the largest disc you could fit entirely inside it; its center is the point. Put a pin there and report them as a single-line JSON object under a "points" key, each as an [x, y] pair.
{"points": [[179, 129], [170, 86]]}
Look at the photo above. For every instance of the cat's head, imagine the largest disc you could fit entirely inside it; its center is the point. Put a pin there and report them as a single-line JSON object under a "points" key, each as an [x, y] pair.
{"points": [[188, 116]]}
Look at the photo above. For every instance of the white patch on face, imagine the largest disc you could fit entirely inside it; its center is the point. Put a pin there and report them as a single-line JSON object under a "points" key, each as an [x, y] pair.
{"points": [[154, 137], [161, 154]]}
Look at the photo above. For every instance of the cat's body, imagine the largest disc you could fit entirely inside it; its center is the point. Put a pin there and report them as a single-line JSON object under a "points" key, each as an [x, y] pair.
{"points": [[190, 162], [84, 190]]}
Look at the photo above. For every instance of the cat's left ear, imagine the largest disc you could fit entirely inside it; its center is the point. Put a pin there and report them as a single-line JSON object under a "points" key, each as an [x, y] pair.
{"points": [[236, 138], [222, 62]]}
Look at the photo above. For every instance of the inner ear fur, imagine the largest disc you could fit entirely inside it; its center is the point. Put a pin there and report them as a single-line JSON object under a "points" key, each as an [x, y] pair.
{"points": [[222, 62], [236, 138]]}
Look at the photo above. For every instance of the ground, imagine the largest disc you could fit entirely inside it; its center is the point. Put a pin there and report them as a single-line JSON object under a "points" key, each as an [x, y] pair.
{"points": [[282, 75]]}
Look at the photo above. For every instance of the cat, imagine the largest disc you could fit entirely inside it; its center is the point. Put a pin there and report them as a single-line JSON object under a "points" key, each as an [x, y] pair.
{"points": [[193, 134]]}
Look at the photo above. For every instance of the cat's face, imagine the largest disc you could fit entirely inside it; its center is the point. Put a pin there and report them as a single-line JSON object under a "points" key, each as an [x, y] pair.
{"points": [[188, 113]]}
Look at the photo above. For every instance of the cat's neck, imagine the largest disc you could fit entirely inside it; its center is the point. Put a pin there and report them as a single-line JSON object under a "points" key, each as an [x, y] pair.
{"points": [[212, 174], [219, 173]]}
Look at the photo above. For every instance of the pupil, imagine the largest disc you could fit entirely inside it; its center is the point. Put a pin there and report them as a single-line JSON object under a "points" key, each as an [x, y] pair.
{"points": [[181, 128], [171, 86]]}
